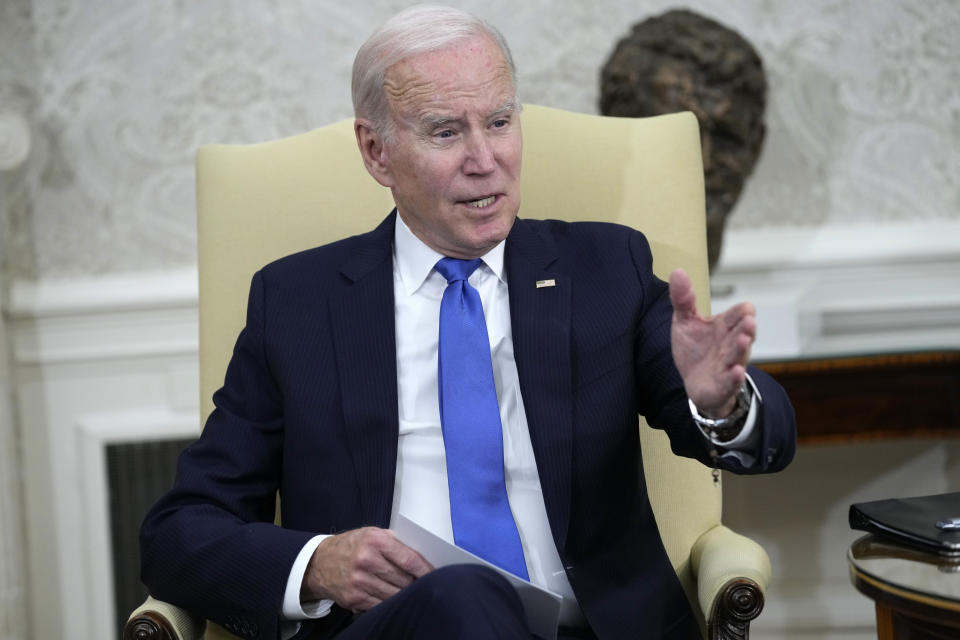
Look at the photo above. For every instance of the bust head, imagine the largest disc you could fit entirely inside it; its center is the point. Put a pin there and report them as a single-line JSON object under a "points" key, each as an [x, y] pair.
{"points": [[682, 61]]}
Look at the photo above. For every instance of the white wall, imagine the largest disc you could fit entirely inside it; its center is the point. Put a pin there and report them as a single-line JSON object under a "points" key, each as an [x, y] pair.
{"points": [[862, 114], [13, 582], [847, 238], [98, 361], [15, 143]]}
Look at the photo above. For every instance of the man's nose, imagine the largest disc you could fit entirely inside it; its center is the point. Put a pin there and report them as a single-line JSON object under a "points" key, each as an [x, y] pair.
{"points": [[479, 155]]}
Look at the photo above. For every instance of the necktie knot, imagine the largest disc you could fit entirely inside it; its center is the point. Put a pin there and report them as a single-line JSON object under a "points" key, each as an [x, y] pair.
{"points": [[454, 269]]}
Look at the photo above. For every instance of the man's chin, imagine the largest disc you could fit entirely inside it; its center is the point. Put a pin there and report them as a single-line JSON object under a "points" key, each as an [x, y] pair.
{"points": [[479, 245], [496, 233]]}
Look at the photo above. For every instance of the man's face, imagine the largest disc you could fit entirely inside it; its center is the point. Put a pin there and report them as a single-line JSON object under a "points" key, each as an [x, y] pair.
{"points": [[453, 157]]}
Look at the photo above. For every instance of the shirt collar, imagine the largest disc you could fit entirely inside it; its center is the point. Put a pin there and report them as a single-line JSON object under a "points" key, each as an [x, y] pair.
{"points": [[415, 260]]}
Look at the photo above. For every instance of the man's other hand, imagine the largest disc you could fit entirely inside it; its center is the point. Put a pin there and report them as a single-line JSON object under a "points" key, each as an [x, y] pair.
{"points": [[710, 353], [360, 568]]}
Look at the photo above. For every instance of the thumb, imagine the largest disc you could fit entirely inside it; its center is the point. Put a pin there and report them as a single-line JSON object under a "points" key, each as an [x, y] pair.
{"points": [[682, 297]]}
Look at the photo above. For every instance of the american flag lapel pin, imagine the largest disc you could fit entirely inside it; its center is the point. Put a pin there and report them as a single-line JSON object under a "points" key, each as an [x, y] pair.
{"points": [[546, 283]]}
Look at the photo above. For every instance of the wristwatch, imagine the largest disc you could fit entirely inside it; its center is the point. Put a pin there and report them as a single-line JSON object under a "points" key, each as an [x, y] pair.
{"points": [[725, 429]]}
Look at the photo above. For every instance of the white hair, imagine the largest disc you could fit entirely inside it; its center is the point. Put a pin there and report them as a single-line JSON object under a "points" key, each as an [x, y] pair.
{"points": [[413, 31]]}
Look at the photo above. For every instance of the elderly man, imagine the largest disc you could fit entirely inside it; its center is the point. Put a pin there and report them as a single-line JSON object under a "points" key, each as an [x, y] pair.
{"points": [[391, 373]]}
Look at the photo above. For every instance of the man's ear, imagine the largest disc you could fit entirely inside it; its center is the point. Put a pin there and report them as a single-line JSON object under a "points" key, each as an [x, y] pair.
{"points": [[372, 151]]}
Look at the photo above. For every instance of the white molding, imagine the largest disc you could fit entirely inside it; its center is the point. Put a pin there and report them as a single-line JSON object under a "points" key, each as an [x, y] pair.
{"points": [[95, 360], [830, 289], [846, 289], [126, 335], [97, 318], [785, 248], [103, 294], [93, 433], [13, 575]]}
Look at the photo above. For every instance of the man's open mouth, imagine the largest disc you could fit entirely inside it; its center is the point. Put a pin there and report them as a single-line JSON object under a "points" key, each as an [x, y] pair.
{"points": [[482, 202]]}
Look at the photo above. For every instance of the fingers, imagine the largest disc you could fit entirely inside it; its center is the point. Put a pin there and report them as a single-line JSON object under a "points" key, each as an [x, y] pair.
{"points": [[737, 354], [738, 344], [359, 569], [407, 560], [712, 353], [371, 564], [715, 360], [738, 330], [682, 297], [741, 317]]}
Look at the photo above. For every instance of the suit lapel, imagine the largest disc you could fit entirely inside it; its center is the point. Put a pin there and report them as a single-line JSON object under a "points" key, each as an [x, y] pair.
{"points": [[362, 317], [540, 317]]}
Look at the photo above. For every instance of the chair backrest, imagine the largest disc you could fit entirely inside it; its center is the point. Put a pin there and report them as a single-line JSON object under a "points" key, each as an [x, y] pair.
{"points": [[259, 202]]}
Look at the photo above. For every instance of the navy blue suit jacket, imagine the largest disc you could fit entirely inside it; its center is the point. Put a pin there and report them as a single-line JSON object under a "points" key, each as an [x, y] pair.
{"points": [[309, 409]]}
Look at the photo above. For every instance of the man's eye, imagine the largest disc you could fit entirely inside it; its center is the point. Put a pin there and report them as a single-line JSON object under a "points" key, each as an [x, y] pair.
{"points": [[500, 123], [446, 133]]}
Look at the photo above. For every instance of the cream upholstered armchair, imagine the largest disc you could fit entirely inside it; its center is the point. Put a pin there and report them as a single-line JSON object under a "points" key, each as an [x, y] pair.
{"points": [[259, 202]]}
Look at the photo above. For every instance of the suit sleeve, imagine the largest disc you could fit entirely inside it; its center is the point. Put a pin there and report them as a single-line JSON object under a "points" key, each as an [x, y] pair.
{"points": [[661, 397], [210, 544]]}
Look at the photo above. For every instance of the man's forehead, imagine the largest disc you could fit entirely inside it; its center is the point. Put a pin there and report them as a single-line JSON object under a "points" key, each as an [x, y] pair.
{"points": [[473, 70]]}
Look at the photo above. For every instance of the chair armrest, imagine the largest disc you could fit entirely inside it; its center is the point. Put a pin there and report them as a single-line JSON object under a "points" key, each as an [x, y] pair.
{"points": [[732, 573], [156, 620]]}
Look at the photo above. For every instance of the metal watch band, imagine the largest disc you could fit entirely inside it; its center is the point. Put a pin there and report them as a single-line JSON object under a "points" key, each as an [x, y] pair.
{"points": [[725, 429]]}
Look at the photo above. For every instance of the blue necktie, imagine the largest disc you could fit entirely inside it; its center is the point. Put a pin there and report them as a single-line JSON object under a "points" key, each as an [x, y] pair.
{"points": [[470, 418]]}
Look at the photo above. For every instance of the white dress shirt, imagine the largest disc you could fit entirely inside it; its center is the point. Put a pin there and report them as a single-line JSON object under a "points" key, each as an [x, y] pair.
{"points": [[421, 492]]}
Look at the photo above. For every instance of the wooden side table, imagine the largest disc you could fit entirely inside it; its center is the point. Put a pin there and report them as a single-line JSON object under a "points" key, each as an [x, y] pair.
{"points": [[917, 594], [869, 397]]}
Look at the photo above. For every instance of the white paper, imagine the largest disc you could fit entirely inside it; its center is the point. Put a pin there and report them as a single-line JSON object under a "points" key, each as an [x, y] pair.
{"points": [[542, 606]]}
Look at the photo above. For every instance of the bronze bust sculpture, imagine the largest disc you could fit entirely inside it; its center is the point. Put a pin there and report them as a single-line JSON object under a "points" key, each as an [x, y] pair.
{"points": [[683, 61]]}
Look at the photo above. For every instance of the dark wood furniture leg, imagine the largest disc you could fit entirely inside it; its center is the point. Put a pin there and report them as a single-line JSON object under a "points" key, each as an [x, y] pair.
{"points": [[148, 626], [739, 602]]}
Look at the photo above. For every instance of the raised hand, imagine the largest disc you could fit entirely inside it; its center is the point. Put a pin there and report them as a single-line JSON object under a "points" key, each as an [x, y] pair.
{"points": [[360, 568], [710, 353]]}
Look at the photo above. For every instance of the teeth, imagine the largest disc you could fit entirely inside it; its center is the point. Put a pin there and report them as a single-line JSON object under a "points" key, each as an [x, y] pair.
{"points": [[485, 202]]}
